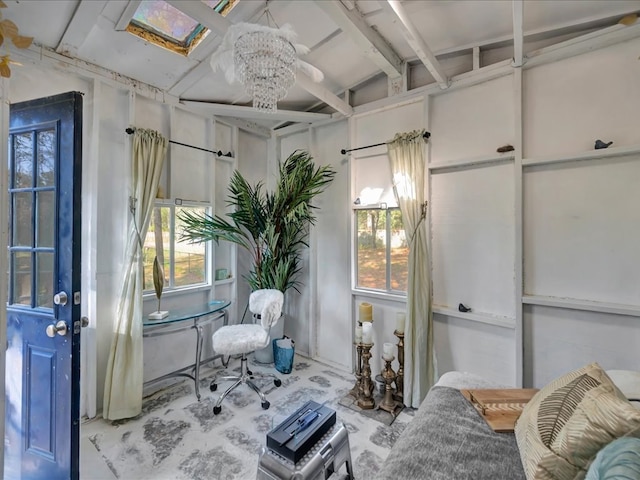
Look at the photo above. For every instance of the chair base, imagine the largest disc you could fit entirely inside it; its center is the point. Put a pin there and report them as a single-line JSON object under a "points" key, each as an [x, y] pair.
{"points": [[246, 377]]}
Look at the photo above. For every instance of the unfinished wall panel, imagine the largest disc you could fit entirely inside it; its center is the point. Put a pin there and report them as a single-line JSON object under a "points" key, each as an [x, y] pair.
{"points": [[570, 104], [472, 122], [582, 230], [472, 245], [191, 169]]}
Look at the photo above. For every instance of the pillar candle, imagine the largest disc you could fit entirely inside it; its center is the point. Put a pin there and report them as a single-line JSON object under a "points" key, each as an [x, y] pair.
{"points": [[366, 312], [358, 333], [400, 317], [387, 351], [367, 333]]}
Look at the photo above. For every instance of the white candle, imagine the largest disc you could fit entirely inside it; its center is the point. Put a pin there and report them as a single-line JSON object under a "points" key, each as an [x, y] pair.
{"points": [[358, 333], [387, 351], [366, 312], [400, 318], [367, 333]]}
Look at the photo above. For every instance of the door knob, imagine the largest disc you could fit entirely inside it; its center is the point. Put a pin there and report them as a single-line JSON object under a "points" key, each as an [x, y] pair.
{"points": [[60, 298], [60, 328]]}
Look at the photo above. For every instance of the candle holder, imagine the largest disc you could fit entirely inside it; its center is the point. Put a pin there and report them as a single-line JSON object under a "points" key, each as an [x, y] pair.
{"points": [[355, 391], [399, 394], [365, 399], [388, 403]]}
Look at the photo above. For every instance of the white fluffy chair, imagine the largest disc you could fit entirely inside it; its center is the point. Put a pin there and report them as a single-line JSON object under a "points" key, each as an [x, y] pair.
{"points": [[266, 305]]}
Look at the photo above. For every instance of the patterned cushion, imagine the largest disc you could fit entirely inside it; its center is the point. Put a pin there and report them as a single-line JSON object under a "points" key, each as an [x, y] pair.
{"points": [[620, 460], [568, 421]]}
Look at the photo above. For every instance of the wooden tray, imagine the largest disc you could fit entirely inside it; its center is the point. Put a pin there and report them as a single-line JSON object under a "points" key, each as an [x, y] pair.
{"points": [[500, 408]]}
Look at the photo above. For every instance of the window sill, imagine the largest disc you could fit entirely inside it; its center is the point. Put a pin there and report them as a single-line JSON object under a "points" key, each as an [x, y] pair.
{"points": [[178, 291], [394, 297]]}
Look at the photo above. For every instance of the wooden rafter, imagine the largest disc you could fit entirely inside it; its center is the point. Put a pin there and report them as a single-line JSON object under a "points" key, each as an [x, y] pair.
{"points": [[219, 25], [413, 38], [84, 19], [372, 44], [518, 33]]}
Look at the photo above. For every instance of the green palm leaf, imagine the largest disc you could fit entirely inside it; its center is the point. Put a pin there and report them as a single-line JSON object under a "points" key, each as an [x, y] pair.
{"points": [[271, 226]]}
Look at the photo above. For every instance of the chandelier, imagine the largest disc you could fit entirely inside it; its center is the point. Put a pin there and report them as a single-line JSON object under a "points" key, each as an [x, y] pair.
{"points": [[265, 64], [265, 60]]}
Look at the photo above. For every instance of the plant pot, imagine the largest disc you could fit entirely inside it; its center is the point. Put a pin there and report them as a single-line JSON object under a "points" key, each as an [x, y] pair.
{"points": [[265, 355]]}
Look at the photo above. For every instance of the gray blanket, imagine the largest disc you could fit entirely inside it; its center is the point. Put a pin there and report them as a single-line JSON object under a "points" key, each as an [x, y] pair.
{"points": [[449, 440]]}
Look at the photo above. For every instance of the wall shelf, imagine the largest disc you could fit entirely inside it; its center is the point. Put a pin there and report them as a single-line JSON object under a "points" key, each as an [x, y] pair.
{"points": [[586, 305], [225, 281], [590, 155], [471, 162], [495, 320]]}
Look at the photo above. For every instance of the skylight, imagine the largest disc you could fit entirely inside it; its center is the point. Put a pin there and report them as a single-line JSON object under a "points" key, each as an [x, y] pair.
{"points": [[164, 25]]}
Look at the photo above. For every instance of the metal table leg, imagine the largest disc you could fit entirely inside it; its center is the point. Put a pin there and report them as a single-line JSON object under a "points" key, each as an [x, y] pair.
{"points": [[196, 375]]}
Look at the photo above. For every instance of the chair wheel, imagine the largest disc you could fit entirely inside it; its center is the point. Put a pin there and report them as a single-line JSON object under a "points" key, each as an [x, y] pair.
{"points": [[265, 406], [213, 387], [249, 372], [277, 382], [216, 410]]}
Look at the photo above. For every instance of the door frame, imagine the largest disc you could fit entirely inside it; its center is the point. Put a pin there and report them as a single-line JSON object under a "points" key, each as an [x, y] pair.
{"points": [[4, 214]]}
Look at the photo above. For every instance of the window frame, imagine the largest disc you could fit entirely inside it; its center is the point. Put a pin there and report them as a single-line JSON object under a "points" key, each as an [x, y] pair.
{"points": [[170, 290], [388, 291]]}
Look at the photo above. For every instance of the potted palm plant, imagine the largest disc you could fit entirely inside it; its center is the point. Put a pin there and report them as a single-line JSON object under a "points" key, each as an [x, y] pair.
{"points": [[271, 226]]}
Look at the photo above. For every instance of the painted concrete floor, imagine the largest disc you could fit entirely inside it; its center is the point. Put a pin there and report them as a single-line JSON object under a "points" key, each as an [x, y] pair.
{"points": [[176, 437]]}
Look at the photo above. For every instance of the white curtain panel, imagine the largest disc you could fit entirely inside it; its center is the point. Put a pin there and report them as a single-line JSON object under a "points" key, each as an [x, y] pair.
{"points": [[406, 156], [123, 383]]}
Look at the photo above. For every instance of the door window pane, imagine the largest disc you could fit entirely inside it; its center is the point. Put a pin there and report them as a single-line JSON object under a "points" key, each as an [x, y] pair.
{"points": [[23, 160], [46, 218], [21, 287], [46, 158], [22, 219], [189, 257], [44, 284]]}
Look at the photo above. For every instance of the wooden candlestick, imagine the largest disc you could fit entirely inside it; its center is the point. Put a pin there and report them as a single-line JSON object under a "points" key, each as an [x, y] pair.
{"points": [[355, 391], [399, 395], [388, 403], [365, 399]]}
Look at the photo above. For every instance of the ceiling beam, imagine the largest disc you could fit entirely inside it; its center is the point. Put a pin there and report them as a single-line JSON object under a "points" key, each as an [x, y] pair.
{"points": [[518, 33], [127, 15], [424, 53], [84, 19], [219, 25], [323, 94], [239, 111], [373, 45]]}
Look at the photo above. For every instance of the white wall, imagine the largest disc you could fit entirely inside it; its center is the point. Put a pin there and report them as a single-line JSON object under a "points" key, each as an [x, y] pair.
{"points": [[253, 165], [577, 227], [570, 230]]}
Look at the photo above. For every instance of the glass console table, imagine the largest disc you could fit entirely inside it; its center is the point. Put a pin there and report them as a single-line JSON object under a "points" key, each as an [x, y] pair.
{"points": [[193, 316]]}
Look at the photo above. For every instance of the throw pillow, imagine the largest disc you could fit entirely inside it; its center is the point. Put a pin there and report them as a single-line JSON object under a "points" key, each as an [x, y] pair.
{"points": [[567, 422], [620, 460]]}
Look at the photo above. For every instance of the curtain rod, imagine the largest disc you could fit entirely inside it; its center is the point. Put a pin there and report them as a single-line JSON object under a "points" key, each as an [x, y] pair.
{"points": [[425, 135], [219, 153]]}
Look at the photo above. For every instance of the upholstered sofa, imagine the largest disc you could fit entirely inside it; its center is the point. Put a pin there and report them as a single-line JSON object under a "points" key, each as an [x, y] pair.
{"points": [[447, 439]]}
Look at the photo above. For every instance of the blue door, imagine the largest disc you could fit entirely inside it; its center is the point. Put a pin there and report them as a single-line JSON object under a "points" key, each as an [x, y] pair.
{"points": [[43, 309]]}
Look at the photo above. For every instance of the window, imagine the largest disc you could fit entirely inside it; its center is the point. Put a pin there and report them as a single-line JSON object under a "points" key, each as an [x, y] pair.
{"points": [[381, 250], [164, 25], [185, 264]]}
